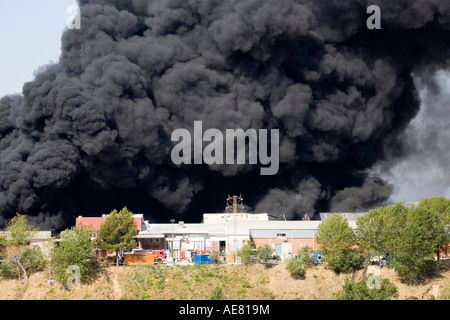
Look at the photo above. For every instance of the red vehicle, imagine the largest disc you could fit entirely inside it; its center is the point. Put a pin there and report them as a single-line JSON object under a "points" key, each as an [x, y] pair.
{"points": [[98, 253], [160, 255]]}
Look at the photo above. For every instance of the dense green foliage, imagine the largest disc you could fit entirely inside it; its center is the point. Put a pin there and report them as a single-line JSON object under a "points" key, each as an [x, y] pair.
{"points": [[31, 259], [296, 268], [74, 248], [418, 241], [305, 255], [265, 252], [360, 291], [440, 226], [298, 264], [247, 251], [378, 231], [20, 261], [336, 239], [412, 236], [117, 233]]}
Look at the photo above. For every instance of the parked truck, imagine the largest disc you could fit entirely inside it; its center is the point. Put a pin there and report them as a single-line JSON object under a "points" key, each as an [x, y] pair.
{"points": [[151, 256], [160, 256]]}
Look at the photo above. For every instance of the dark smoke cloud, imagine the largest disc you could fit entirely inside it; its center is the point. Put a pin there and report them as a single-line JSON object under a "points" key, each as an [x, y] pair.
{"points": [[92, 132]]}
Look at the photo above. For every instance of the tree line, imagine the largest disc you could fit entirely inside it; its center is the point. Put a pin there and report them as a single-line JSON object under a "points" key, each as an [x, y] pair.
{"points": [[409, 239], [75, 246]]}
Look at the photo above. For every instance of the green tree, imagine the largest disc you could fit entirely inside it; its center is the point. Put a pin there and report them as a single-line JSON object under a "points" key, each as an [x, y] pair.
{"points": [[378, 231], [265, 253], [247, 251], [440, 206], [417, 244], [74, 247], [118, 232], [394, 220], [18, 236], [336, 240]]}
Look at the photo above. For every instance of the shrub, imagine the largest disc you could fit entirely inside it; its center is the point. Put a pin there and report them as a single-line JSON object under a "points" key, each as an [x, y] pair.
{"points": [[296, 268], [214, 256], [247, 251], [305, 254], [415, 271], [32, 260], [360, 291], [217, 294], [74, 248], [265, 252]]}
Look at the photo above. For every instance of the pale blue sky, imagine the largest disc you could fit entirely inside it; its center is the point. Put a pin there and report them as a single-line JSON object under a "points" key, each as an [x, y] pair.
{"points": [[30, 36]]}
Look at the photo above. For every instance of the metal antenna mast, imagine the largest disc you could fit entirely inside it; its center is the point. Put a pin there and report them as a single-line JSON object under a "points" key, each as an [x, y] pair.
{"points": [[234, 205]]}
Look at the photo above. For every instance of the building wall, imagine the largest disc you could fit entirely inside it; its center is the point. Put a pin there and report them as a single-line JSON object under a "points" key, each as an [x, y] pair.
{"points": [[41, 239], [95, 222], [290, 240], [230, 242], [213, 243], [296, 243], [151, 244]]}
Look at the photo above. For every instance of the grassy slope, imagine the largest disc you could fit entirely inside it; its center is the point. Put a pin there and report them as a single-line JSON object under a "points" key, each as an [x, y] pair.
{"points": [[199, 282]]}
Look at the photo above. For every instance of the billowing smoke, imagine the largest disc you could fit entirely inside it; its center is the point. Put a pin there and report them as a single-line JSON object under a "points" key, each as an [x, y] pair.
{"points": [[92, 132], [425, 172]]}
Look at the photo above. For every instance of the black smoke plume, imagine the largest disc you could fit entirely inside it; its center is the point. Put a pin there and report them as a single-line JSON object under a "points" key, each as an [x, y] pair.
{"points": [[92, 132]]}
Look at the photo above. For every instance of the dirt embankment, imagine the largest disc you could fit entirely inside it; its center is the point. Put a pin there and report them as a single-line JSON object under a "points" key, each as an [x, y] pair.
{"points": [[203, 281]]}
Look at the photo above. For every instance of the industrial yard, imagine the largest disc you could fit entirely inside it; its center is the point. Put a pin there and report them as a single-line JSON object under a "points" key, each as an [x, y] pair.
{"points": [[229, 256], [201, 282]]}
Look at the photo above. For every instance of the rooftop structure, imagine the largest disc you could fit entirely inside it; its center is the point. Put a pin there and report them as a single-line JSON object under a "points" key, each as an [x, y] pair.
{"points": [[209, 218], [411, 203], [350, 216], [95, 222]]}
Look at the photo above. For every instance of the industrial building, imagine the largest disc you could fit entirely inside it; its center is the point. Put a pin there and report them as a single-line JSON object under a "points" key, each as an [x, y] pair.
{"points": [[223, 232], [38, 239], [95, 222]]}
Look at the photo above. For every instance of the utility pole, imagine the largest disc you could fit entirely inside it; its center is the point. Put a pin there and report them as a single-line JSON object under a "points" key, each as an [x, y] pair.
{"points": [[234, 205], [173, 239]]}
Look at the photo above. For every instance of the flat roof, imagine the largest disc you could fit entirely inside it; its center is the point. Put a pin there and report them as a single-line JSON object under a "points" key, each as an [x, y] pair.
{"points": [[283, 233], [186, 228], [350, 216], [227, 228]]}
